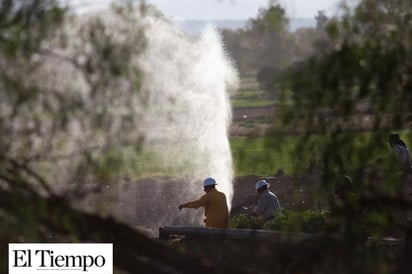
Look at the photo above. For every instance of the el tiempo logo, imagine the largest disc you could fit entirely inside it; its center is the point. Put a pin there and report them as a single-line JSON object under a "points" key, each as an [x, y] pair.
{"points": [[60, 258]]}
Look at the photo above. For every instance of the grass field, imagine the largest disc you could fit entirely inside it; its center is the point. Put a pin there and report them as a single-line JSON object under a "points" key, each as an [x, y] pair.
{"points": [[258, 155], [250, 98], [262, 155]]}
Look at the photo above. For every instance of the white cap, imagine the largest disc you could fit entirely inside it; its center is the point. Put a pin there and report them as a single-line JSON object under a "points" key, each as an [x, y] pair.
{"points": [[261, 183], [209, 182]]}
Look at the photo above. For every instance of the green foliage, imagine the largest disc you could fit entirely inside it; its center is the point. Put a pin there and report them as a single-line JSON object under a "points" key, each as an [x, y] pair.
{"points": [[270, 21], [243, 221], [88, 120], [69, 89], [360, 67], [360, 83], [25, 24], [347, 99], [310, 221], [265, 42]]}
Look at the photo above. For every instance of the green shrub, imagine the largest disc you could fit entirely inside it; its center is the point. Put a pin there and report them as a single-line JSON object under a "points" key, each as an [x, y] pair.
{"points": [[262, 155], [244, 221], [310, 221]]}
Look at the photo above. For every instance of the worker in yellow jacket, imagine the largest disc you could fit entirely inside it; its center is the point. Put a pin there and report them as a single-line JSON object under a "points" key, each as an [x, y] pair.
{"points": [[214, 202]]}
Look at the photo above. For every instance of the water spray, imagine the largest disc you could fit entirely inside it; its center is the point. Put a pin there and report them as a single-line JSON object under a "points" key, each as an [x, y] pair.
{"points": [[180, 109]]}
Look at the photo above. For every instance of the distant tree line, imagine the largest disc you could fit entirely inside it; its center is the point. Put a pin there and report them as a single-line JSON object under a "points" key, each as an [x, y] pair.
{"points": [[266, 46]]}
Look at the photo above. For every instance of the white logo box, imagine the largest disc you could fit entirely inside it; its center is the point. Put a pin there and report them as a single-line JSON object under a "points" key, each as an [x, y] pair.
{"points": [[64, 258]]}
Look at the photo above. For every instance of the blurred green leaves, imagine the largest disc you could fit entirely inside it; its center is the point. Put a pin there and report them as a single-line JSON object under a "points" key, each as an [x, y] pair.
{"points": [[361, 83], [347, 98], [69, 107], [25, 24], [309, 221]]}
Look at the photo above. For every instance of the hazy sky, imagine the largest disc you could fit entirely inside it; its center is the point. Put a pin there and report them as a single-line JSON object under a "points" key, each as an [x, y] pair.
{"points": [[240, 9], [227, 9]]}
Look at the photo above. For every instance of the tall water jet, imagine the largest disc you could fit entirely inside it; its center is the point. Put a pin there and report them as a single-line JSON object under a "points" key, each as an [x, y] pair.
{"points": [[189, 112]]}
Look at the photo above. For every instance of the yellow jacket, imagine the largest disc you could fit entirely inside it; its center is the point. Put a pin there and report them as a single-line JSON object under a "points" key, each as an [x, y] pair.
{"points": [[216, 210]]}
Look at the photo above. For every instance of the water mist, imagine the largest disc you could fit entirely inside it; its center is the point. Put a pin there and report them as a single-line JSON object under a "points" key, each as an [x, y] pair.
{"points": [[189, 110], [180, 108]]}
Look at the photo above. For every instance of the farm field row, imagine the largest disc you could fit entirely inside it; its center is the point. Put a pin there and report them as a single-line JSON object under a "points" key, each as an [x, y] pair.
{"points": [[260, 156]]}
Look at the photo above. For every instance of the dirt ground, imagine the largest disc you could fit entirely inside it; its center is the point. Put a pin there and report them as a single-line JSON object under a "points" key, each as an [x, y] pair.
{"points": [[251, 121], [292, 192]]}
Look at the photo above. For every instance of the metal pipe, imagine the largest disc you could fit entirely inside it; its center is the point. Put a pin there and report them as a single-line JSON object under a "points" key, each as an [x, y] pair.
{"points": [[235, 234]]}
